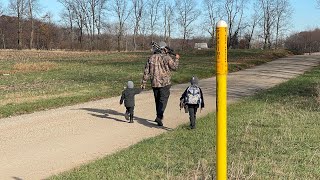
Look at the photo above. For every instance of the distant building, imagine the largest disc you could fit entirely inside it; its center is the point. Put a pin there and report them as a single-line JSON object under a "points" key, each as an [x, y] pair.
{"points": [[201, 46]]}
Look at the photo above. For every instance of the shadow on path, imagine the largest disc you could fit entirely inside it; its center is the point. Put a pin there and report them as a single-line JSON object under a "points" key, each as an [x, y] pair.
{"points": [[105, 113], [16, 178]]}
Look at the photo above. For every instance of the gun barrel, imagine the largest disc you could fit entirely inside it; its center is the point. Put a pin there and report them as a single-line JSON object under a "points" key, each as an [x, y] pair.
{"points": [[170, 51], [158, 48]]}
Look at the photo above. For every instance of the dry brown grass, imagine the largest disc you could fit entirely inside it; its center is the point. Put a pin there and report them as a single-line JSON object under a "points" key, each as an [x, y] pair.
{"points": [[26, 55], [31, 67], [203, 171]]}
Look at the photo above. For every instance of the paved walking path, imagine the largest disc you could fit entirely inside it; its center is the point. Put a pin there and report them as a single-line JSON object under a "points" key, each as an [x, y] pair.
{"points": [[41, 144]]}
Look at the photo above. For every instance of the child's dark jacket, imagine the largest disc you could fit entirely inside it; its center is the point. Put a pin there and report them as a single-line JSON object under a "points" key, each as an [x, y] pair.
{"points": [[128, 96], [185, 93]]}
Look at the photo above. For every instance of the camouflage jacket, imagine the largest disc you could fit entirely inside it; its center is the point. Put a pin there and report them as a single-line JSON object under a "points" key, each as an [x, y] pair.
{"points": [[158, 68]]}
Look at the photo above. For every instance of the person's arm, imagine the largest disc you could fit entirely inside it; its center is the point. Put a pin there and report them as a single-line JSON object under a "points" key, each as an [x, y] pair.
{"points": [[202, 99], [137, 90], [146, 75], [173, 64], [184, 95], [122, 98]]}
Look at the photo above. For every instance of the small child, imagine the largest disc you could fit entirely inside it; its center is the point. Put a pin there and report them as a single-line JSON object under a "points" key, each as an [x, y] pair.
{"points": [[192, 98], [128, 98]]}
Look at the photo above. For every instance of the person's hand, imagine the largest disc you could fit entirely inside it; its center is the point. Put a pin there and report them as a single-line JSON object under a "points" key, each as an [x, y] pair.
{"points": [[177, 56], [143, 86]]}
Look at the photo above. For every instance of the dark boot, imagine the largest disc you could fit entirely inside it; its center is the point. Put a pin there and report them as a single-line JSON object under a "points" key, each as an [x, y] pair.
{"points": [[159, 121], [131, 118], [126, 115]]}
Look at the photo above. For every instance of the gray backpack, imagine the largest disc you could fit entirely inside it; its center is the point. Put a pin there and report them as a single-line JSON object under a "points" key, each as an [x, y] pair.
{"points": [[193, 95]]}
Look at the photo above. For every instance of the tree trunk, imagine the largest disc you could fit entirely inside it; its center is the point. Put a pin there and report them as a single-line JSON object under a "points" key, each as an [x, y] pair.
{"points": [[32, 25], [3, 40], [119, 39], [31, 34], [19, 34]]}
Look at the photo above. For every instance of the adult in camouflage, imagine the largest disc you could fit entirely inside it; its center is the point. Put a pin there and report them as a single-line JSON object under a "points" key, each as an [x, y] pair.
{"points": [[158, 69]]}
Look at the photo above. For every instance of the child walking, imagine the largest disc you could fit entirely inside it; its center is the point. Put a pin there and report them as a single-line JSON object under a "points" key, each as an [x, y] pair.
{"points": [[192, 98], [128, 98]]}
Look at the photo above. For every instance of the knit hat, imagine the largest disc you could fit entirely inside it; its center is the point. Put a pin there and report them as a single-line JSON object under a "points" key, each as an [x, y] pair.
{"points": [[194, 80], [162, 44], [130, 84]]}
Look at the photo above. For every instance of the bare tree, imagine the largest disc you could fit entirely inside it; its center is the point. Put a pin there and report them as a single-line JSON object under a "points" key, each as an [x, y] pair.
{"points": [[121, 10], [144, 29], [168, 19], [187, 14], [100, 16], [91, 15], [2, 32], [101, 7], [252, 24], [87, 15], [89, 11], [84, 10], [211, 15], [318, 4], [94, 16], [153, 11], [268, 20], [304, 42], [282, 16], [235, 11], [18, 8], [68, 15], [32, 8], [46, 31], [1, 9], [80, 18], [138, 10]]}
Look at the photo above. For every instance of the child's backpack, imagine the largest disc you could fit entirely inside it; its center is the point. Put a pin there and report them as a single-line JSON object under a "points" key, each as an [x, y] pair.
{"points": [[193, 95]]}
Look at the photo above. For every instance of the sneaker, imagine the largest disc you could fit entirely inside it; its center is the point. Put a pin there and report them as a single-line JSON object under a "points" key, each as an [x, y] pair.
{"points": [[126, 115], [159, 121]]}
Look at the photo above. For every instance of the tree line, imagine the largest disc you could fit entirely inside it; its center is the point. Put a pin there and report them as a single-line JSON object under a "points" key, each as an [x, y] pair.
{"points": [[132, 24], [304, 42]]}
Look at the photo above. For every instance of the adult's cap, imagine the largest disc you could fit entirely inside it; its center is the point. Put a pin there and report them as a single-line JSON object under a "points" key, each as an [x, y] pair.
{"points": [[162, 44]]}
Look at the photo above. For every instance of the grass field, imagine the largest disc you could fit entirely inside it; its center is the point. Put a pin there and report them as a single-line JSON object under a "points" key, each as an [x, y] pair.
{"points": [[272, 135], [38, 80]]}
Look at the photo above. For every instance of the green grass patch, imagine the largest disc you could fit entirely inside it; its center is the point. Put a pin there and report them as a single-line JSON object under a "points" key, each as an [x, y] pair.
{"points": [[42, 80], [272, 135]]}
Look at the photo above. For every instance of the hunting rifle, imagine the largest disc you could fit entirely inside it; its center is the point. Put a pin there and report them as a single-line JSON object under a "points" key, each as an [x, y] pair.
{"points": [[157, 48]]}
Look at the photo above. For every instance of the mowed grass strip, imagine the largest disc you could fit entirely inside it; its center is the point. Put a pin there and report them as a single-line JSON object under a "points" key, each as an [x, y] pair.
{"points": [[37, 80], [272, 135]]}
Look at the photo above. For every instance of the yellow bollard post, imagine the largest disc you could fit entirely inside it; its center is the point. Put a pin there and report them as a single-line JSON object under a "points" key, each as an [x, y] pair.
{"points": [[221, 100]]}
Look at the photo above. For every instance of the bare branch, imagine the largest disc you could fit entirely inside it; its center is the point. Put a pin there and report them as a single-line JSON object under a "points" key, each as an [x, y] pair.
{"points": [[187, 14]]}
